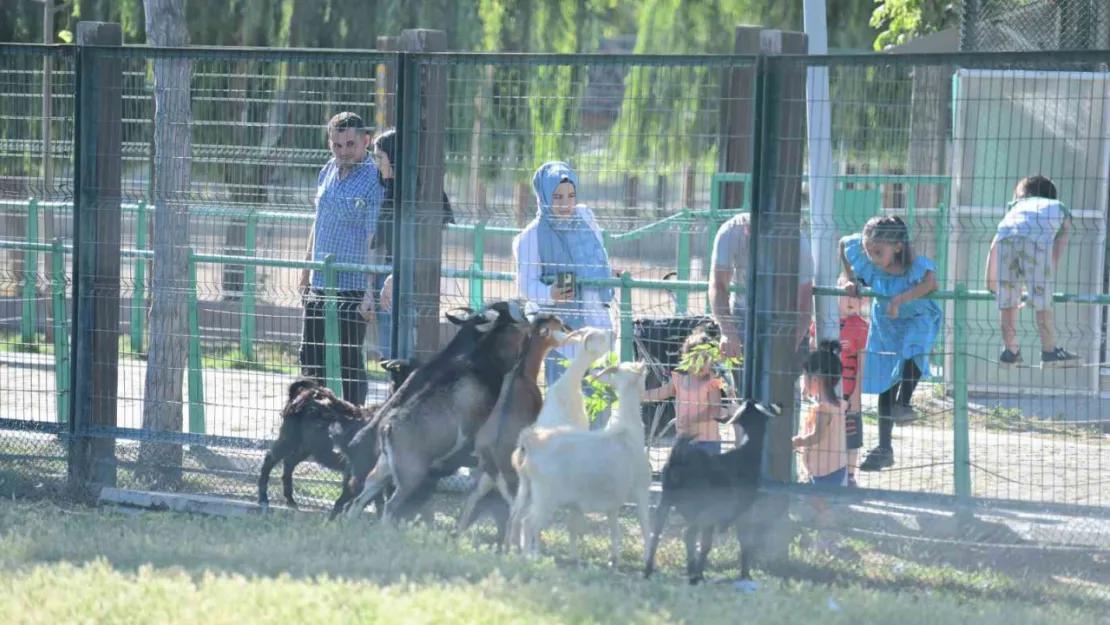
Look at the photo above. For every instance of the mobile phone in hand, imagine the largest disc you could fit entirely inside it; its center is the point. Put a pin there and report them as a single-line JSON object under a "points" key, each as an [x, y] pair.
{"points": [[565, 281]]}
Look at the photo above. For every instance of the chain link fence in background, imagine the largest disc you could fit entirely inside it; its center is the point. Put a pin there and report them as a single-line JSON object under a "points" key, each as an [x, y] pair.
{"points": [[666, 151], [1028, 25]]}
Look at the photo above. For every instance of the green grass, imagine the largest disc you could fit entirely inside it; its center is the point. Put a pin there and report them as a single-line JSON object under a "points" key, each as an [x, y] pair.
{"points": [[99, 566], [13, 342]]}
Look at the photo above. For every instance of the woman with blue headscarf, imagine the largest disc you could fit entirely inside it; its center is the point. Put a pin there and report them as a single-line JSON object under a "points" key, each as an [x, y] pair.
{"points": [[554, 252]]}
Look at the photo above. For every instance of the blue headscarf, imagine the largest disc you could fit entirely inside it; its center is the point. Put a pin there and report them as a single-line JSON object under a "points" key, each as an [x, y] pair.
{"points": [[568, 244]]}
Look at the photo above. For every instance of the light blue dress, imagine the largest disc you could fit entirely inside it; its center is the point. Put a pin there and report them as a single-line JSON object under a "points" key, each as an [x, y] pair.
{"points": [[893, 340]]}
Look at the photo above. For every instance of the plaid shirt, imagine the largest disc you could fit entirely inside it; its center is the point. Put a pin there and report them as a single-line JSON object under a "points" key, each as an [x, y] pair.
{"points": [[346, 214]]}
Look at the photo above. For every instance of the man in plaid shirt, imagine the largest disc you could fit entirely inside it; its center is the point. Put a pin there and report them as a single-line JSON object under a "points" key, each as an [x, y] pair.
{"points": [[348, 200]]}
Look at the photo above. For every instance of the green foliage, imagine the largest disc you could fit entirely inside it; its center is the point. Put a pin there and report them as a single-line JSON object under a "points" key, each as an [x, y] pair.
{"points": [[602, 395], [902, 20], [708, 354]]}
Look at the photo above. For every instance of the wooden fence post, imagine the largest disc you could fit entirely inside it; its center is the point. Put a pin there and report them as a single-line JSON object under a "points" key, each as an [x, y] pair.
{"points": [[428, 206], [96, 214]]}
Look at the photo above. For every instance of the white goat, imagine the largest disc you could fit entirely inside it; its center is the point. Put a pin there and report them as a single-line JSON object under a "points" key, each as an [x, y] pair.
{"points": [[586, 471], [564, 404]]}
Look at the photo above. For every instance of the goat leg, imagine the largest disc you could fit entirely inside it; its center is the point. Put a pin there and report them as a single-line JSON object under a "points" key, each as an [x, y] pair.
{"points": [[744, 537], [706, 545], [290, 463], [656, 532], [485, 484], [691, 538], [373, 484], [614, 538], [520, 502], [282, 448], [409, 480], [575, 522]]}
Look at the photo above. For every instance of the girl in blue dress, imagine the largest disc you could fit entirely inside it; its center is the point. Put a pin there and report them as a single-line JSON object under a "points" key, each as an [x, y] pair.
{"points": [[903, 324]]}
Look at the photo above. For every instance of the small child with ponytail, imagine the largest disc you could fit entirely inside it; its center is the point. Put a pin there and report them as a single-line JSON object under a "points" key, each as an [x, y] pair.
{"points": [[823, 440]]}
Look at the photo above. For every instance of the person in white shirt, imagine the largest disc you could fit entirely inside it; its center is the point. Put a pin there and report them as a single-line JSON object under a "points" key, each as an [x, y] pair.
{"points": [[557, 249]]}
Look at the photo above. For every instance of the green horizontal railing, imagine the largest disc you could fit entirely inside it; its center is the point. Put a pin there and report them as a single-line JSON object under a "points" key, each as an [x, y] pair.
{"points": [[961, 296], [845, 201]]}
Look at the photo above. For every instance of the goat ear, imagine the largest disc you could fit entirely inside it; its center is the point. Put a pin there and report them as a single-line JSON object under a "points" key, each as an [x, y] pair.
{"points": [[606, 374], [772, 410]]}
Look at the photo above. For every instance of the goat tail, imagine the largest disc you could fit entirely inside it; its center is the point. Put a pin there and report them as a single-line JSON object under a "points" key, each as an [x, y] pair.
{"points": [[528, 439]]}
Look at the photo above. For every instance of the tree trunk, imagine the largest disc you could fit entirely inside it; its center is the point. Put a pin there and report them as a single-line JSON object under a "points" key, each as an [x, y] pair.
{"points": [[160, 463]]}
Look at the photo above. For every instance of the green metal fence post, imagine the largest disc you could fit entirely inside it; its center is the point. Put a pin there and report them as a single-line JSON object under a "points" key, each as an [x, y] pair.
{"points": [[682, 298], [331, 328], [627, 354], [246, 318], [30, 275], [961, 438], [61, 329], [477, 284], [138, 292], [196, 373]]}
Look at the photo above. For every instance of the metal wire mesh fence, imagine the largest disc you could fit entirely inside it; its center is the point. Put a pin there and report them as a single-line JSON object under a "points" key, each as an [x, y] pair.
{"points": [[1026, 25], [690, 180]]}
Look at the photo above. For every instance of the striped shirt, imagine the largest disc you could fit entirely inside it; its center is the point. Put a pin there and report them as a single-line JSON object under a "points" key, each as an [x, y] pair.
{"points": [[346, 214]]}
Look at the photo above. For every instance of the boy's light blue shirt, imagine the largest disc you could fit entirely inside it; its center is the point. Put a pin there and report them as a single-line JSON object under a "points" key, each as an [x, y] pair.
{"points": [[1035, 219]]}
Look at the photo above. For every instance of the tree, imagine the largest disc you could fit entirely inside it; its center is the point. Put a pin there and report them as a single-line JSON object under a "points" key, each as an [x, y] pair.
{"points": [[902, 20], [160, 463]]}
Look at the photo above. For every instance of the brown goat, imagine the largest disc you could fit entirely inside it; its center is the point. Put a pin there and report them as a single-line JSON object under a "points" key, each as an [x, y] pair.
{"points": [[309, 412], [517, 406]]}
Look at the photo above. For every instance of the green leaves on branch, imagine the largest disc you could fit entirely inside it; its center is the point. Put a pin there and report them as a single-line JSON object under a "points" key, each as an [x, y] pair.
{"points": [[902, 20], [602, 395]]}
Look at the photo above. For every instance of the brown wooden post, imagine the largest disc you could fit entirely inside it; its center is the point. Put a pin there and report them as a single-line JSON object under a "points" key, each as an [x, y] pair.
{"points": [[689, 186], [97, 306], [428, 207], [739, 100], [384, 96], [781, 226], [779, 202], [522, 202], [631, 194]]}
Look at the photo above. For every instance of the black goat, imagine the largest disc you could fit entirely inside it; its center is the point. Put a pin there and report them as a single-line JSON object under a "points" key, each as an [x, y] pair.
{"points": [[712, 491], [309, 414], [481, 333]]}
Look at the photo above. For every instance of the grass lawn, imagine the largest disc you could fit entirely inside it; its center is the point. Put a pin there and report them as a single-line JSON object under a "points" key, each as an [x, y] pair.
{"points": [[69, 565]]}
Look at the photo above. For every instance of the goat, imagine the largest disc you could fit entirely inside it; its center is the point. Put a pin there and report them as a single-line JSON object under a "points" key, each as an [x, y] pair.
{"points": [[309, 412], [564, 404], [586, 471], [427, 428], [712, 491], [517, 407], [362, 449]]}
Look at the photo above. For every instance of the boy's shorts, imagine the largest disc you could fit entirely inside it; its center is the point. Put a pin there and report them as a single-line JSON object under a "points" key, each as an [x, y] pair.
{"points": [[1022, 262]]}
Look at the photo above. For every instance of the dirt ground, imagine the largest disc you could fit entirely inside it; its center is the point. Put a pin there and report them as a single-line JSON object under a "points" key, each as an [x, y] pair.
{"points": [[1006, 465]]}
